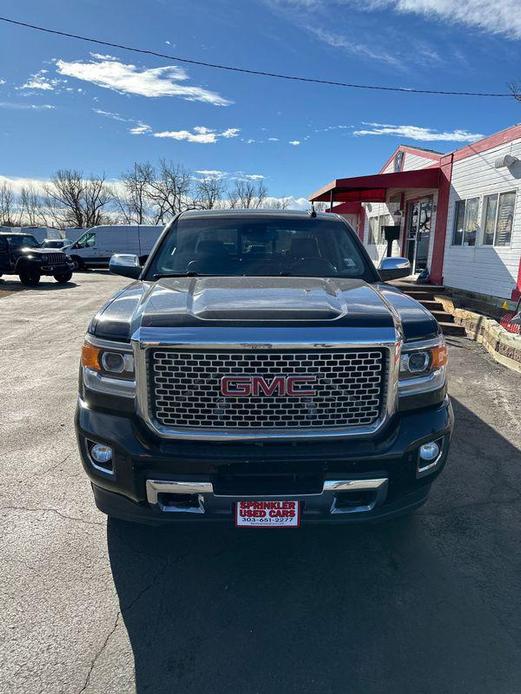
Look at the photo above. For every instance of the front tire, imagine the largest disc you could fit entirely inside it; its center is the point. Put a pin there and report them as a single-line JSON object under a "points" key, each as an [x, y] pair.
{"points": [[80, 265], [63, 278], [29, 278]]}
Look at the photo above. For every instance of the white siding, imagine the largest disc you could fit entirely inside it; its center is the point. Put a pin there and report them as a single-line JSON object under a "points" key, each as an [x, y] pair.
{"points": [[377, 251], [488, 270], [413, 162]]}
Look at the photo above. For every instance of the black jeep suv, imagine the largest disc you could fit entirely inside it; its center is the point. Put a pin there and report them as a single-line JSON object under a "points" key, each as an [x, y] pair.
{"points": [[260, 371], [21, 254]]}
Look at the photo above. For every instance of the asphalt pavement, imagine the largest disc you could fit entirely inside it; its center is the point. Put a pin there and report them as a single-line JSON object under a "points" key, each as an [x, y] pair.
{"points": [[424, 604]]}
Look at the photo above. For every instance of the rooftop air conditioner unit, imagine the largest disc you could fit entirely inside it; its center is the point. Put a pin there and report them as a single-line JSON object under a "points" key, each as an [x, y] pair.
{"points": [[506, 162]]}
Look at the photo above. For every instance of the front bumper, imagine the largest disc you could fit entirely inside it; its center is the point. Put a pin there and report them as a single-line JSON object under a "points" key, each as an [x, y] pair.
{"points": [[156, 480], [59, 269]]}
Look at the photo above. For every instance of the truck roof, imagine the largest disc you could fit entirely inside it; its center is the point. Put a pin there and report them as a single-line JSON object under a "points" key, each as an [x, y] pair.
{"points": [[249, 212]]}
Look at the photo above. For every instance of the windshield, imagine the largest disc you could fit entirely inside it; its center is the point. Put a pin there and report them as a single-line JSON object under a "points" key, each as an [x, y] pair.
{"points": [[306, 247], [22, 242]]}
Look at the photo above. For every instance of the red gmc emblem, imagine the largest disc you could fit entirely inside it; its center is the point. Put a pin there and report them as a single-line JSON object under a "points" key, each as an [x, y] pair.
{"points": [[253, 386]]}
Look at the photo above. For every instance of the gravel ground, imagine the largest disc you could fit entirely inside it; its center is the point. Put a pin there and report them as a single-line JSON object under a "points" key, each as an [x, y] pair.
{"points": [[430, 603]]}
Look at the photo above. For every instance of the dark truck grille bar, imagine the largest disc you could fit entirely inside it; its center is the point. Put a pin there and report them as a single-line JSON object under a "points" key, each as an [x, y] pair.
{"points": [[184, 389]]}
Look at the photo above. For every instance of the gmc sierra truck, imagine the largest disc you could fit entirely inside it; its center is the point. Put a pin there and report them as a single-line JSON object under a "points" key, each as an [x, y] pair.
{"points": [[259, 371]]}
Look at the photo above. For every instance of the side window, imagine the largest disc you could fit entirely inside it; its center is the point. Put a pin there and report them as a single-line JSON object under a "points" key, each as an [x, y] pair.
{"points": [[505, 218], [459, 219], [465, 222], [88, 240]]}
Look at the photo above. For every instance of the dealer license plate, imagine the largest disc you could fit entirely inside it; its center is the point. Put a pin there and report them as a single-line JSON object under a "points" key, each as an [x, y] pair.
{"points": [[267, 514]]}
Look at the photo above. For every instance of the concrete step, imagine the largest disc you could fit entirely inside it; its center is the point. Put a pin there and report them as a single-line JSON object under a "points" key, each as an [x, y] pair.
{"points": [[432, 305], [452, 329], [443, 316], [420, 294]]}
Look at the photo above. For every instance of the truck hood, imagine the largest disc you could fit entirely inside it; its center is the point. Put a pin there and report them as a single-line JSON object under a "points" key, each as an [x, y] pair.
{"points": [[259, 302]]}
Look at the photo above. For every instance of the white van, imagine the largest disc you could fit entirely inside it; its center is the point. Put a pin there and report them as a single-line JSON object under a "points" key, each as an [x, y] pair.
{"points": [[95, 247]]}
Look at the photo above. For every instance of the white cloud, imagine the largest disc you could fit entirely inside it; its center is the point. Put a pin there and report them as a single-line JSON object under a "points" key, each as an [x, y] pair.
{"points": [[41, 81], [354, 46], [26, 107], [295, 143], [499, 17], [107, 72], [2, 82], [230, 132], [199, 134], [273, 139], [140, 129], [254, 177], [414, 132], [110, 114], [211, 173]]}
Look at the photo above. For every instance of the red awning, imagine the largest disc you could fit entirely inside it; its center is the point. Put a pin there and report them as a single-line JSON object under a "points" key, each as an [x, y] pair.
{"points": [[374, 188]]}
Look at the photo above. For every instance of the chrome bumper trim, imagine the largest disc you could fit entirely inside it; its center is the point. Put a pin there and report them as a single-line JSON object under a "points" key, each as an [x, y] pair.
{"points": [[201, 489]]}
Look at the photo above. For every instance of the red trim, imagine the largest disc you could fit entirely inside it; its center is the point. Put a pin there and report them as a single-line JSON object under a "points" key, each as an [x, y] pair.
{"points": [[487, 143], [516, 292], [361, 223], [442, 213], [372, 188], [347, 208]]}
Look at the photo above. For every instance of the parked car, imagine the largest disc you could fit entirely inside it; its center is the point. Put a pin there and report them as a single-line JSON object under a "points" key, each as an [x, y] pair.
{"points": [[56, 243], [21, 254], [260, 371], [95, 247]]}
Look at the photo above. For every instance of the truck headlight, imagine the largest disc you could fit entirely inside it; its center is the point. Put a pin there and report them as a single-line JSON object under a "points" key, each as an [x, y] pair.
{"points": [[108, 367], [419, 362], [422, 366]]}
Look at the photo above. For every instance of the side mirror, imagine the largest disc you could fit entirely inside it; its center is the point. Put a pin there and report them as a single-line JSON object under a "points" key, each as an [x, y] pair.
{"points": [[393, 268], [126, 265]]}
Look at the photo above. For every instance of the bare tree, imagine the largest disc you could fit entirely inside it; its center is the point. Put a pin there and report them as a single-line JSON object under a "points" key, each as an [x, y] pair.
{"points": [[97, 195], [515, 89], [209, 192], [7, 204], [134, 203], [77, 201], [170, 190], [247, 194], [278, 203], [31, 207]]}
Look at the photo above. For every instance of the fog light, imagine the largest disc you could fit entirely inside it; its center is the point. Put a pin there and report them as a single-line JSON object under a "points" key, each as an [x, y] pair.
{"points": [[428, 458], [101, 456], [429, 451]]}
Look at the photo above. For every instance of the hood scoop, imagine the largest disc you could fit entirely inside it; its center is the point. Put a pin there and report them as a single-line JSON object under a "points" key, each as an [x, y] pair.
{"points": [[275, 301]]}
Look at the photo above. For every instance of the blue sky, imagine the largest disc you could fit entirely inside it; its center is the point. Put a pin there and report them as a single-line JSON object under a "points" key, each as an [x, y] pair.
{"points": [[65, 103]]}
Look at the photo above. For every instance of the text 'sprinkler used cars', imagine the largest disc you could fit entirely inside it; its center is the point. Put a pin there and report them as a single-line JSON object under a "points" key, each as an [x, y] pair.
{"points": [[260, 372]]}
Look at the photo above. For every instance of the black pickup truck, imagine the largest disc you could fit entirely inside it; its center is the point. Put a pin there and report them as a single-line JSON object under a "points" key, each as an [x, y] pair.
{"points": [[22, 255], [260, 371]]}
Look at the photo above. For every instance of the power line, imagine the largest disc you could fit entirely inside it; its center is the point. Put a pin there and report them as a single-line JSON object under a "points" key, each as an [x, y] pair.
{"points": [[261, 73]]}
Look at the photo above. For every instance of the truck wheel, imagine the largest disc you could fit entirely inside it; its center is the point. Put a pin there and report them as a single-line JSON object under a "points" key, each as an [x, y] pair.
{"points": [[80, 265], [29, 278], [63, 278]]}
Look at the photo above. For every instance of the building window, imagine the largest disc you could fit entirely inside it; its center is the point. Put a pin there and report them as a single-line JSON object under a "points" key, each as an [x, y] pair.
{"points": [[465, 222], [376, 228], [498, 216]]}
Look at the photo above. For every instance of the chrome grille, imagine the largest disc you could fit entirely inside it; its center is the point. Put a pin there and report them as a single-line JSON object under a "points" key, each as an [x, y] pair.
{"points": [[184, 389]]}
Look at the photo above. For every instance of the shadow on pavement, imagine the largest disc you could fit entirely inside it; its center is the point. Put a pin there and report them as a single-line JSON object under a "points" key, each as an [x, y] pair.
{"points": [[8, 286], [427, 603]]}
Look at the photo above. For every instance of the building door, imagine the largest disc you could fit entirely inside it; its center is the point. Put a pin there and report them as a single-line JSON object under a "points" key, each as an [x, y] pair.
{"points": [[418, 233]]}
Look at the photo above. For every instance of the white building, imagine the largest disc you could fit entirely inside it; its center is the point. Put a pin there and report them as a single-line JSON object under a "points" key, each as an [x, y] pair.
{"points": [[458, 214]]}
